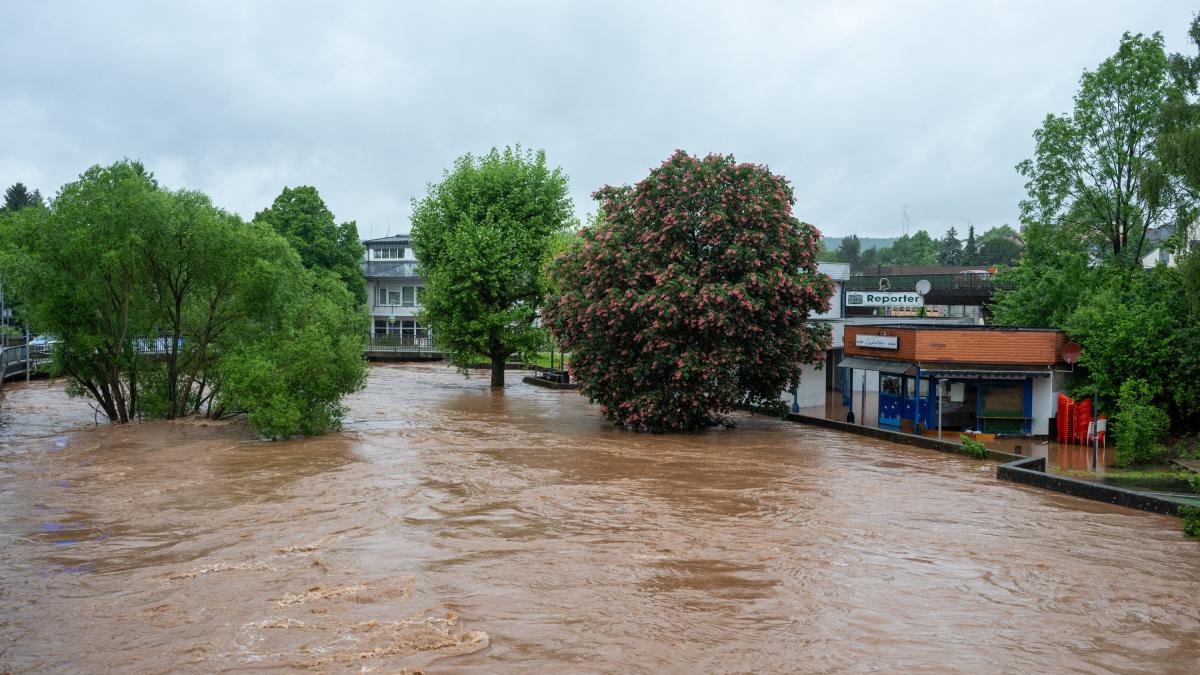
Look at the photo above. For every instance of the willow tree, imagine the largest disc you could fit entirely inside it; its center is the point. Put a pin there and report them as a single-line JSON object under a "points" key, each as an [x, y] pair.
{"points": [[693, 296], [481, 236], [149, 291]]}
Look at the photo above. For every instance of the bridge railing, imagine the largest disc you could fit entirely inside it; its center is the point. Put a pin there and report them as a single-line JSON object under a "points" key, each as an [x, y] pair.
{"points": [[19, 359], [402, 343]]}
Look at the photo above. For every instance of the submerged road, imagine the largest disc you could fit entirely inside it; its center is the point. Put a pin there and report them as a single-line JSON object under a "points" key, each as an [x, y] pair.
{"points": [[453, 528]]}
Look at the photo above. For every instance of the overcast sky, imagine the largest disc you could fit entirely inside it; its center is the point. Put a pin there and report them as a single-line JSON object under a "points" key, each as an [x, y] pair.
{"points": [[866, 107]]}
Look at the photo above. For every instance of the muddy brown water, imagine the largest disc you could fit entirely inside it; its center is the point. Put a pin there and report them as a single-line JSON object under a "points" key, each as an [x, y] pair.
{"points": [[452, 529]]}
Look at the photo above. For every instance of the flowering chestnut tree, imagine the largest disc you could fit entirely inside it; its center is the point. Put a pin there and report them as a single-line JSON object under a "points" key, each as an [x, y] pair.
{"points": [[691, 296]]}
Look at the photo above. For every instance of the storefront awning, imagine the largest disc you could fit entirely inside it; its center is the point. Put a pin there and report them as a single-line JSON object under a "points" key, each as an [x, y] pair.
{"points": [[864, 363], [982, 370]]}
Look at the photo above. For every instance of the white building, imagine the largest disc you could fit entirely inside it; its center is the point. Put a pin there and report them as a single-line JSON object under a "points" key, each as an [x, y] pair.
{"points": [[394, 290]]}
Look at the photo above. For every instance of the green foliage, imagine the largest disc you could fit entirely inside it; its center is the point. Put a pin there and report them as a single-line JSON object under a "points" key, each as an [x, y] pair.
{"points": [[1096, 170], [692, 297], [1179, 142], [911, 250], [1127, 332], [973, 448], [18, 197], [1139, 424], [290, 380], [482, 236], [149, 291], [950, 253], [1191, 520], [850, 251], [999, 247], [1053, 277], [300, 215]]}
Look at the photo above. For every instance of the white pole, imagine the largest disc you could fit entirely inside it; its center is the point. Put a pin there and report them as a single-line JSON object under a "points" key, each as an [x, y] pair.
{"points": [[863, 408], [28, 357], [940, 387]]}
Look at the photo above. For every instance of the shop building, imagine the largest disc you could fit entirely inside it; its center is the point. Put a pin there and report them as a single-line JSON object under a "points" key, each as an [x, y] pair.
{"points": [[989, 379]]}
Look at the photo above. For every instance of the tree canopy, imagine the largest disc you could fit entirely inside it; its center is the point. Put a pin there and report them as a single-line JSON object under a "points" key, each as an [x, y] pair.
{"points": [[17, 197], [482, 236], [1100, 178], [300, 215], [692, 296], [1097, 169], [151, 292]]}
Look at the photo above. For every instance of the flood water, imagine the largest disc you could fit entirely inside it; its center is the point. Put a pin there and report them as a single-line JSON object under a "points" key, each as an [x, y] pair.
{"points": [[453, 529]]}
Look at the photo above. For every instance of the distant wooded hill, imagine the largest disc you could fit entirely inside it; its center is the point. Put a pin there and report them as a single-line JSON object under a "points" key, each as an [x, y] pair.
{"points": [[832, 243]]}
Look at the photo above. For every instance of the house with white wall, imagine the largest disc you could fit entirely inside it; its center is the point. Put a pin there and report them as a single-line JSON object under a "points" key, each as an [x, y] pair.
{"points": [[394, 290]]}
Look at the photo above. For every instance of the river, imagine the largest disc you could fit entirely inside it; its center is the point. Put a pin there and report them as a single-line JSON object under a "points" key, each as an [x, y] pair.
{"points": [[450, 528]]}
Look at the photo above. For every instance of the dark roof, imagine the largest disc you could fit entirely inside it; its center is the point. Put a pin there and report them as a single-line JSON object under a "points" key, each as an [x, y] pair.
{"points": [[901, 270], [390, 239], [926, 326]]}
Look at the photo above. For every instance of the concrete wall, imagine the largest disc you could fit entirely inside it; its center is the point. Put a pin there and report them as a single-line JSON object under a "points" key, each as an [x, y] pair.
{"points": [[1045, 403], [812, 387]]}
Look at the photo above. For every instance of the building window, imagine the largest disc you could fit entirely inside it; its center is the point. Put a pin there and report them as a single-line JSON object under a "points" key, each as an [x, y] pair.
{"points": [[401, 296], [392, 253]]}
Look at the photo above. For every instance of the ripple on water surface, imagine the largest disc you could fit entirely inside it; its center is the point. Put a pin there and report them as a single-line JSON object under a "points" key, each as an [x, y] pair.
{"points": [[452, 526]]}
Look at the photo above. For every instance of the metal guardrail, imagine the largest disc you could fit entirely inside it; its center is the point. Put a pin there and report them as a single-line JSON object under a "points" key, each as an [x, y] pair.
{"points": [[937, 282], [22, 359], [402, 344]]}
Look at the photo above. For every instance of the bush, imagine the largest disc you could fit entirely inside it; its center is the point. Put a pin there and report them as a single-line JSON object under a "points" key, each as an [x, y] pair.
{"points": [[1140, 425], [1191, 520], [973, 448]]}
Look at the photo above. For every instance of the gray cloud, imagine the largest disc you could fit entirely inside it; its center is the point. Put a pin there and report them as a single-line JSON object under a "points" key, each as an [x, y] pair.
{"points": [[866, 107]]}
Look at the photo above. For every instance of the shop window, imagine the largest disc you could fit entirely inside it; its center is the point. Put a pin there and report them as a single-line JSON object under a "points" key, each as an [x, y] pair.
{"points": [[889, 384]]}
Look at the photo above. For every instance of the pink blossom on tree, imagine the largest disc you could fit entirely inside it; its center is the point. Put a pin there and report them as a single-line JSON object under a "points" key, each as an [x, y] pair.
{"points": [[691, 296]]}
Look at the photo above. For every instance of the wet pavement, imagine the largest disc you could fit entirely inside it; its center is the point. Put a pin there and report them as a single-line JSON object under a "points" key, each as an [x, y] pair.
{"points": [[454, 529]]}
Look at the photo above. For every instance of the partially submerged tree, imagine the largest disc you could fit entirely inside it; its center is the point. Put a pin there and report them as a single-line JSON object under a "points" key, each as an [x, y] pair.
{"points": [[481, 236], [300, 215], [692, 297], [148, 291]]}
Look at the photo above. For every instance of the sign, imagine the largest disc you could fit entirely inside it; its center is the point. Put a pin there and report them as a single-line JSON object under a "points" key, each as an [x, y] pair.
{"points": [[877, 341], [884, 299]]}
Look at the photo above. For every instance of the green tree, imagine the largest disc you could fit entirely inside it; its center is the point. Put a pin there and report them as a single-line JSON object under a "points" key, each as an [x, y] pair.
{"points": [[950, 253], [693, 296], [970, 253], [1178, 143], [482, 235], [1140, 425], [912, 250], [149, 291], [850, 252], [17, 197], [291, 378], [1053, 277], [1097, 169], [300, 215], [999, 246]]}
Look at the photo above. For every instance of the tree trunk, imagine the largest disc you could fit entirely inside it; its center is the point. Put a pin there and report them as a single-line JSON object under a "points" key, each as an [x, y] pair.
{"points": [[498, 360]]}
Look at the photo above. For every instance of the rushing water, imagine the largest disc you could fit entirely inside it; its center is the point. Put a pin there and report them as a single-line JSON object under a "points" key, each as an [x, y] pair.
{"points": [[454, 528]]}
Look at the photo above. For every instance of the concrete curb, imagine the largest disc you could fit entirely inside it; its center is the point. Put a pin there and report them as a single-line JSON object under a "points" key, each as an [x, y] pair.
{"points": [[1017, 469]]}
